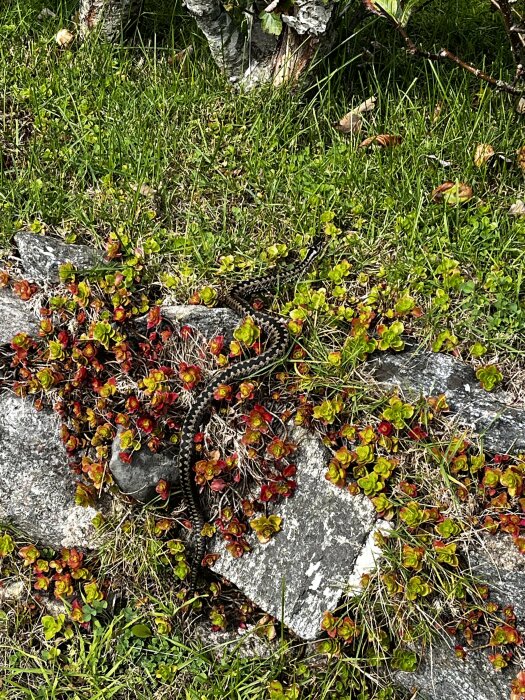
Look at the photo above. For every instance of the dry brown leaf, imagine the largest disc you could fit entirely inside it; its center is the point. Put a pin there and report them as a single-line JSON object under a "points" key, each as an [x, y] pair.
{"points": [[145, 190], [46, 12], [371, 7], [382, 141], [180, 56], [520, 157], [452, 193], [437, 111], [64, 38], [483, 154], [366, 106], [351, 123], [518, 208]]}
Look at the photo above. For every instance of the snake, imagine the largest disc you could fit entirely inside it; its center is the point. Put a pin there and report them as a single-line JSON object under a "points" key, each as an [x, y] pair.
{"points": [[276, 330]]}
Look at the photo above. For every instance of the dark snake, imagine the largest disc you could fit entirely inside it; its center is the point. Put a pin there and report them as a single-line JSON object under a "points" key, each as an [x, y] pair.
{"points": [[277, 344]]}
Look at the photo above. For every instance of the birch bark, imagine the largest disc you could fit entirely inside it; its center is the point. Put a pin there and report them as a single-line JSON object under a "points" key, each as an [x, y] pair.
{"points": [[109, 17]]}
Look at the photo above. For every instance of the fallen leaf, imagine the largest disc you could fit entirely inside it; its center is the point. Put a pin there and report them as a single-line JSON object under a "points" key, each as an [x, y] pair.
{"points": [[64, 38], [520, 157], [351, 123], [145, 190], [382, 141], [46, 12], [483, 154], [366, 106], [452, 193], [181, 55], [518, 208]]}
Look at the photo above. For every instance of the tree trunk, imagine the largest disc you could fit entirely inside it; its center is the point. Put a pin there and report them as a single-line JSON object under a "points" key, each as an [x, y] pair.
{"points": [[111, 18], [247, 58]]}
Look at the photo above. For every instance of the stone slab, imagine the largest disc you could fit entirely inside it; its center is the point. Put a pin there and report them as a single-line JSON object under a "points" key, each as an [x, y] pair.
{"points": [[208, 321], [37, 487], [498, 562], [304, 568], [442, 676], [42, 256], [502, 427], [16, 316]]}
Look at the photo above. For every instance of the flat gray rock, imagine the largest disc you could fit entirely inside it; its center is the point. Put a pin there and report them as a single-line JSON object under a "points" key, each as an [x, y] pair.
{"points": [[42, 256], [501, 427], [37, 487], [498, 562], [442, 676], [312, 558], [208, 321], [139, 478], [16, 316], [230, 643]]}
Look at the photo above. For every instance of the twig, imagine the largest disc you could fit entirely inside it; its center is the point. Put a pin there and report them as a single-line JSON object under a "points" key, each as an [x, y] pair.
{"points": [[445, 54], [514, 32]]}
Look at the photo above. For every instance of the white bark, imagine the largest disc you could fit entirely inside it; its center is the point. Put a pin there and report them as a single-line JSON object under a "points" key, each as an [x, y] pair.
{"points": [[227, 44], [310, 17], [109, 17]]}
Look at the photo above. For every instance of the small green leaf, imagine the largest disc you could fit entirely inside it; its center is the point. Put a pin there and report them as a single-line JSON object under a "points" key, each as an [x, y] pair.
{"points": [[271, 23], [141, 631], [52, 626]]}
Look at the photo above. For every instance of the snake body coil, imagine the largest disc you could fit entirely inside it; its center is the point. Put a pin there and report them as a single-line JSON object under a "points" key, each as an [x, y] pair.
{"points": [[277, 343]]}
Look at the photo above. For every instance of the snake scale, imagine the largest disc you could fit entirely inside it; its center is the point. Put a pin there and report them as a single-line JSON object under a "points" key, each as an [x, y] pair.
{"points": [[277, 344]]}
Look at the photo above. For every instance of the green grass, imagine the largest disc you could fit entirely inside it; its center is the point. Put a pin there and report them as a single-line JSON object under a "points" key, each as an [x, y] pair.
{"points": [[234, 174]]}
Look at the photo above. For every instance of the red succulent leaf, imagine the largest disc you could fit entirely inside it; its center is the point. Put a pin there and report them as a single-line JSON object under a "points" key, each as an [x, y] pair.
{"points": [[266, 493], [146, 424], [24, 290], [186, 332], [132, 404], [289, 470], [163, 489], [190, 375], [154, 317], [216, 345], [385, 428], [218, 485], [120, 314], [417, 433], [223, 393]]}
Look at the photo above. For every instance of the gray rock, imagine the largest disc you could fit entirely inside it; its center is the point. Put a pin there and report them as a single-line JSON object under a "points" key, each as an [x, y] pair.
{"points": [[304, 567], [37, 487], [498, 562], [244, 643], [139, 478], [16, 316], [209, 322], [42, 256], [501, 427], [442, 676]]}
